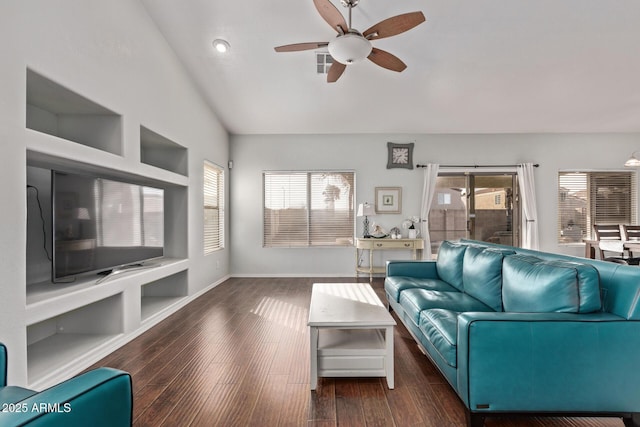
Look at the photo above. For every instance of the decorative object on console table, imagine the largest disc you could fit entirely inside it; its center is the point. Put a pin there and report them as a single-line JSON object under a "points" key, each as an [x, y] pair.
{"points": [[410, 225], [634, 160], [388, 200], [365, 210], [399, 155]]}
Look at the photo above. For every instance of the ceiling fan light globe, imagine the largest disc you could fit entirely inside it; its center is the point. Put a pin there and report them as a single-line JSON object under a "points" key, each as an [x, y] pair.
{"points": [[349, 48]]}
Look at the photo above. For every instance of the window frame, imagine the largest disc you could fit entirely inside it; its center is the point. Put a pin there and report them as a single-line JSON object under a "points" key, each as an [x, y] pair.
{"points": [[590, 208], [308, 242], [219, 195]]}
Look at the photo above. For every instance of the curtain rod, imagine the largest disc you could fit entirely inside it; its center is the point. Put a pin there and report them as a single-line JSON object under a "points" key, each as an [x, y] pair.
{"points": [[477, 166]]}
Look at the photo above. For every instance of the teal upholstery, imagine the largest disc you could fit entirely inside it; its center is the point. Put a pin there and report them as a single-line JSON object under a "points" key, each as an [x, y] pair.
{"points": [[449, 265], [414, 301], [98, 398], [560, 286], [397, 284], [525, 331], [482, 275], [440, 327]]}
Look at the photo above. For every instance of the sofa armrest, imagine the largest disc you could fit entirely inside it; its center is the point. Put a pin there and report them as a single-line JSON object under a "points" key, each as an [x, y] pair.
{"points": [[548, 362], [99, 398], [3, 365], [423, 269]]}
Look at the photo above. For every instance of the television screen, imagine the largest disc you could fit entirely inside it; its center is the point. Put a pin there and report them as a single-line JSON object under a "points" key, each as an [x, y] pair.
{"points": [[100, 224]]}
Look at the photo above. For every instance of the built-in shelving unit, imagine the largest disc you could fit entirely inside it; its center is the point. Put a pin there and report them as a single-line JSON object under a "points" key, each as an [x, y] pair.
{"points": [[161, 294], [71, 324], [55, 110], [161, 152], [58, 341]]}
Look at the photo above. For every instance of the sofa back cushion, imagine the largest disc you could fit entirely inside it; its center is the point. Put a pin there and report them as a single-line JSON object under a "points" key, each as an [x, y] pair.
{"points": [[449, 263], [482, 274], [535, 286]]}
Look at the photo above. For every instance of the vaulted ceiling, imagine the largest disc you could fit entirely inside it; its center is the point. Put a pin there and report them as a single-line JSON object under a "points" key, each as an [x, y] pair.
{"points": [[474, 66]]}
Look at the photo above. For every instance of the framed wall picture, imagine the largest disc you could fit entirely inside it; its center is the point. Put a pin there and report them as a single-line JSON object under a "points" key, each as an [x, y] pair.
{"points": [[399, 155], [388, 200]]}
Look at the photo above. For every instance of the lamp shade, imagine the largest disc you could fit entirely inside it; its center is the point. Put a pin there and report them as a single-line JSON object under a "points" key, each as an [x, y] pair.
{"points": [[82, 213], [634, 160], [365, 209]]}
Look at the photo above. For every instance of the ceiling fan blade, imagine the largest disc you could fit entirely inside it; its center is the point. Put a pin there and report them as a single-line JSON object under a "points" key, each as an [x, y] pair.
{"points": [[394, 25], [300, 46], [386, 60], [335, 71], [332, 15]]}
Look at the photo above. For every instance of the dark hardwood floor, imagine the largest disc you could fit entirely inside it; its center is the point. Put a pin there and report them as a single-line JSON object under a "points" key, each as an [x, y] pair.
{"points": [[239, 356]]}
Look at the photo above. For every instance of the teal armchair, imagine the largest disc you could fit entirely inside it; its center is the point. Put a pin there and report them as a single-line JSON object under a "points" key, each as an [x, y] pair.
{"points": [[98, 398]]}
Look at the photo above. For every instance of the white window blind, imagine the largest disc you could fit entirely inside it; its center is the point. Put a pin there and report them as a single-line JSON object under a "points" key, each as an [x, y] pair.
{"points": [[304, 209], [213, 207], [588, 198]]}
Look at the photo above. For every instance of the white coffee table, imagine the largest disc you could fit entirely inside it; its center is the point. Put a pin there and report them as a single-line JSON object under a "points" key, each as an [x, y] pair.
{"points": [[351, 333]]}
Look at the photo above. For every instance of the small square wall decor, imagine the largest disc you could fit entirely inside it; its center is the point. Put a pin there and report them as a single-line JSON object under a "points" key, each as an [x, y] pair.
{"points": [[388, 200], [399, 155]]}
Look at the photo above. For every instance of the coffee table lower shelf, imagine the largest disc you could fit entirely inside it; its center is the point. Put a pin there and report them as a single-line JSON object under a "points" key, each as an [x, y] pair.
{"points": [[353, 353]]}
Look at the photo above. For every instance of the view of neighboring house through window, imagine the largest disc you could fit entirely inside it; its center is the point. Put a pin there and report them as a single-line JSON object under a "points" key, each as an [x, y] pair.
{"points": [[588, 198], [303, 209], [213, 207], [478, 206]]}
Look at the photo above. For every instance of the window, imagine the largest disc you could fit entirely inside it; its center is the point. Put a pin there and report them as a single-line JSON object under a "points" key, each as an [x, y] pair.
{"points": [[303, 209], [213, 207], [587, 198]]}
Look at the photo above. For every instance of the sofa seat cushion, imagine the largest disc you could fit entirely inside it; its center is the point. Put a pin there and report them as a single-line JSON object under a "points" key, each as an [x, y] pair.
{"points": [[440, 327], [394, 285], [482, 274], [413, 301], [13, 394], [449, 263], [535, 286]]}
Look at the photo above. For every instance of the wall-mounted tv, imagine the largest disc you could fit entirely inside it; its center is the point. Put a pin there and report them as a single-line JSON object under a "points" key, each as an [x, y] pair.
{"points": [[101, 224]]}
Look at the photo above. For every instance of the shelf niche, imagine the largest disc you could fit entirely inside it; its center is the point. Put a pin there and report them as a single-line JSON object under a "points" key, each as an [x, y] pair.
{"points": [[159, 295], [158, 151], [57, 111], [58, 341]]}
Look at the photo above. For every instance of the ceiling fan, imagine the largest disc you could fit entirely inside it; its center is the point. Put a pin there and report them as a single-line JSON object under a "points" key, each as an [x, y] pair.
{"points": [[350, 45]]}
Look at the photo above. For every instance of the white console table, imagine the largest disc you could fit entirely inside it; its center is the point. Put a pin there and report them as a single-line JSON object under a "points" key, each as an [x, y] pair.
{"points": [[386, 244]]}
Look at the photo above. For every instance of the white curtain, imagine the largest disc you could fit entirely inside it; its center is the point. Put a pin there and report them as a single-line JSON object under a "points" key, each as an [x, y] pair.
{"points": [[529, 209], [428, 190]]}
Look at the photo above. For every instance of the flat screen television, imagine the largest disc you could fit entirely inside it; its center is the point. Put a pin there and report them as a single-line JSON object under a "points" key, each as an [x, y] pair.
{"points": [[102, 225]]}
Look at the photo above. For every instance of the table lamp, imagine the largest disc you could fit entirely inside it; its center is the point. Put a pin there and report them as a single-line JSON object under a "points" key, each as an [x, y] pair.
{"points": [[365, 210]]}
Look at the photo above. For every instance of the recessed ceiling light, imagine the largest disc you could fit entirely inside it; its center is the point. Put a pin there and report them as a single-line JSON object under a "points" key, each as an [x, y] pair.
{"points": [[221, 45]]}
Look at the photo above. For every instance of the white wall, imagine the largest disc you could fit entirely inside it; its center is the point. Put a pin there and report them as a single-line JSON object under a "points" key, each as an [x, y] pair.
{"points": [[367, 156], [112, 53]]}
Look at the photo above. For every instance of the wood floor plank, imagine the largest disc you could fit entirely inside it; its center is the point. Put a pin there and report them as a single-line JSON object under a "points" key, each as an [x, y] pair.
{"points": [[322, 402], [239, 356], [271, 402], [375, 405], [349, 410]]}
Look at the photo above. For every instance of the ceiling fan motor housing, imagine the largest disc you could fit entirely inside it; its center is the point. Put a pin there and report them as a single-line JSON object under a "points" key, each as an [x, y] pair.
{"points": [[349, 48]]}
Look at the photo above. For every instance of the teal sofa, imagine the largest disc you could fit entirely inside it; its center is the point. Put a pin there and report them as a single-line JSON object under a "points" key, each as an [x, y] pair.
{"points": [[98, 398], [522, 332]]}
